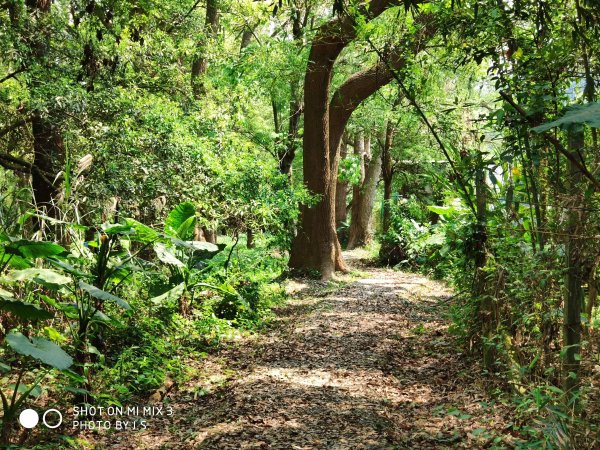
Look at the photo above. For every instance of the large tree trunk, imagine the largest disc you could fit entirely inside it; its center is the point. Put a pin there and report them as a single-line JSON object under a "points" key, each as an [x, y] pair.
{"points": [[315, 245], [200, 64], [49, 154], [363, 198], [48, 148]]}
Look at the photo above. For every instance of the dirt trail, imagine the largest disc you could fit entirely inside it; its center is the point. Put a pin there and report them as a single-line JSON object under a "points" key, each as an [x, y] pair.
{"points": [[369, 366]]}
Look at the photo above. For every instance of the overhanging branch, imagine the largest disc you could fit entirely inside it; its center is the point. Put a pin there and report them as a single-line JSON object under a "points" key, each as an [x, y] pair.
{"points": [[360, 86], [20, 165], [426, 121], [12, 75]]}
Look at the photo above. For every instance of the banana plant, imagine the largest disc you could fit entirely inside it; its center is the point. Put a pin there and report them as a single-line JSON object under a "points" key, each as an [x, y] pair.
{"points": [[78, 286], [187, 259], [37, 348]]}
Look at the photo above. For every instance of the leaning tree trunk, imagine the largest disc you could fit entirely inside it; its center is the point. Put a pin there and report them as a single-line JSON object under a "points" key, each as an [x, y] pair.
{"points": [[316, 245], [363, 198]]}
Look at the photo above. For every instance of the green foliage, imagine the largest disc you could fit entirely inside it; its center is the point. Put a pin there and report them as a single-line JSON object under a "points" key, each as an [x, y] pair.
{"points": [[23, 310], [411, 241], [40, 349], [574, 118], [110, 81], [180, 222]]}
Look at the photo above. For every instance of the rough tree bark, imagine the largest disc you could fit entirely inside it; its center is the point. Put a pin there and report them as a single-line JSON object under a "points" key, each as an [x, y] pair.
{"points": [[573, 297], [315, 245], [48, 148], [387, 173], [200, 64], [363, 198], [341, 194], [49, 154]]}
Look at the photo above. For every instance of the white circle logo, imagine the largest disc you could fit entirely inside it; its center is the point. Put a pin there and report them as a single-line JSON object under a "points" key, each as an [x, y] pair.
{"points": [[29, 418], [57, 424]]}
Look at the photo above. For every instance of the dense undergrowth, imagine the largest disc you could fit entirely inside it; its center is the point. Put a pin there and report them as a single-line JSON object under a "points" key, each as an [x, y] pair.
{"points": [[525, 287], [115, 313]]}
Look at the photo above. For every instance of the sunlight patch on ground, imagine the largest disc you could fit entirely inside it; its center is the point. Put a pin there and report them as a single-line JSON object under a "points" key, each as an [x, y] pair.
{"points": [[378, 281]]}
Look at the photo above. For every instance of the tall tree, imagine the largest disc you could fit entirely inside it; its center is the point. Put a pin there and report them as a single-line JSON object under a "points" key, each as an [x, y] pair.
{"points": [[200, 63], [316, 245], [573, 296], [48, 146], [363, 195], [341, 194], [387, 171]]}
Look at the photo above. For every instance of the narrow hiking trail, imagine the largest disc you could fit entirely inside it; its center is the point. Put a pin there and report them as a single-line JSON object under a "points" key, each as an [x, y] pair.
{"points": [[367, 366]]}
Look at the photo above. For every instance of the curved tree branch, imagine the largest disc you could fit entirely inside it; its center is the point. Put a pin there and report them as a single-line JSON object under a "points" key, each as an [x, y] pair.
{"points": [[20, 165], [362, 85]]}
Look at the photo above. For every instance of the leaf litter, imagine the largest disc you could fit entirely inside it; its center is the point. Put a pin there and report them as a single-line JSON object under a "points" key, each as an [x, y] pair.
{"points": [[368, 365]]}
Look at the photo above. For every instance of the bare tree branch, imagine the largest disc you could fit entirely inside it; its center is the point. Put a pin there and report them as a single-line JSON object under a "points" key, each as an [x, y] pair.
{"points": [[12, 75], [13, 126]]}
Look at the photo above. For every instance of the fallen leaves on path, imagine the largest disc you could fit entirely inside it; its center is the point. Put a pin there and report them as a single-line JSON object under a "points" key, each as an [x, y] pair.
{"points": [[369, 366]]}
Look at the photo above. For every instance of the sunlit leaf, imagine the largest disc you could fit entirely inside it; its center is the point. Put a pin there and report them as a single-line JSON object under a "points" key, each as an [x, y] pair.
{"points": [[103, 295], [41, 349], [576, 115]]}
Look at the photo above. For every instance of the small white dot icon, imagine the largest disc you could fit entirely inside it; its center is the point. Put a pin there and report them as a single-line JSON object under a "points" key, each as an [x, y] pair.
{"points": [[29, 418]]}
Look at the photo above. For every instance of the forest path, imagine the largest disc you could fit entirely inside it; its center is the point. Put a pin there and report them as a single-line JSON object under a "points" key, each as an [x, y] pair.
{"points": [[369, 365]]}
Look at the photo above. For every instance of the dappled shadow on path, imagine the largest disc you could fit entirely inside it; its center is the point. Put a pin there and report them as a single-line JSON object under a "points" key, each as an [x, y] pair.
{"points": [[370, 366]]}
